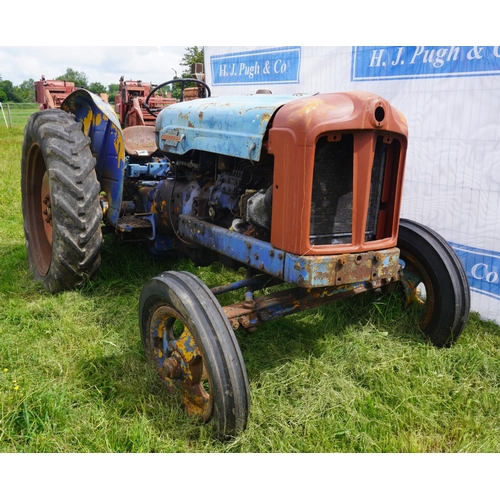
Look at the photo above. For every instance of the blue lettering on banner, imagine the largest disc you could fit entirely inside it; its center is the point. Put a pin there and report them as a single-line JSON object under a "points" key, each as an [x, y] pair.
{"points": [[482, 268], [277, 65], [395, 62]]}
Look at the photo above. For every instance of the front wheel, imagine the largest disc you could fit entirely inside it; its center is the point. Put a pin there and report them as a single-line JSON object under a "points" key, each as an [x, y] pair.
{"points": [[434, 280], [188, 339], [60, 201]]}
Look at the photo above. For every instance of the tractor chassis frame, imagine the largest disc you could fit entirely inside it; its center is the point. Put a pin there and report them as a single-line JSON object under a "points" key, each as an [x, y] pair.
{"points": [[318, 279], [253, 311]]}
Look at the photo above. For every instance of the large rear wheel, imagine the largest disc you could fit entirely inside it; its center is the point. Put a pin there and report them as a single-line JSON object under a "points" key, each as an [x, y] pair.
{"points": [[60, 201], [434, 280], [187, 337]]}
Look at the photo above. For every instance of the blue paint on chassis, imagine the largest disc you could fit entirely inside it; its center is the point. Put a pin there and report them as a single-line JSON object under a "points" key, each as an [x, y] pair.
{"points": [[305, 271]]}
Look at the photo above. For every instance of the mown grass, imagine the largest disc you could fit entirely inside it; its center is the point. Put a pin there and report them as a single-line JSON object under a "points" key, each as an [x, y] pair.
{"points": [[353, 376]]}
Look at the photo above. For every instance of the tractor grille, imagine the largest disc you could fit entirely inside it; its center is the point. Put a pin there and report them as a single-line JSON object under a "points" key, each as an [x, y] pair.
{"points": [[378, 170], [332, 194]]}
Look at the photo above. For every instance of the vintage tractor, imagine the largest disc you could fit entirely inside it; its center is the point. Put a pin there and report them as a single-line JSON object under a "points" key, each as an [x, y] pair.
{"points": [[301, 190], [51, 93], [129, 103]]}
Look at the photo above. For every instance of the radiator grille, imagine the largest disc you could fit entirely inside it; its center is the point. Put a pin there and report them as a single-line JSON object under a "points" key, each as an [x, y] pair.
{"points": [[332, 194], [378, 170]]}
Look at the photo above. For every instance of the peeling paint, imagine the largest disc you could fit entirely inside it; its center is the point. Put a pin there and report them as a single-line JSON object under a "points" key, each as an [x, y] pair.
{"points": [[235, 127]]}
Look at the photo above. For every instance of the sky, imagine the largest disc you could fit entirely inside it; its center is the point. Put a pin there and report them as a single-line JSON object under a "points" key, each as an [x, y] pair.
{"points": [[103, 37], [106, 64]]}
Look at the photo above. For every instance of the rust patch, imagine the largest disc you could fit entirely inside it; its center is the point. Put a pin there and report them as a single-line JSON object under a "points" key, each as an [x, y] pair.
{"points": [[286, 302], [348, 268], [265, 118], [174, 138]]}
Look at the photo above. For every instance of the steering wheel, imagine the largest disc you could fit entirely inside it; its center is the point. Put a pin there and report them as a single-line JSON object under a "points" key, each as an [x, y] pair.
{"points": [[182, 81]]}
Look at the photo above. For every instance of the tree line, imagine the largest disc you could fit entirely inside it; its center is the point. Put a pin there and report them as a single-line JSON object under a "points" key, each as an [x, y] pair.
{"points": [[25, 92]]}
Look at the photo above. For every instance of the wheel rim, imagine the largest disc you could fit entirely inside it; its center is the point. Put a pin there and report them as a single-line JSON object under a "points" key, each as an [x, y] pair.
{"points": [[39, 210], [46, 208], [179, 361], [418, 289]]}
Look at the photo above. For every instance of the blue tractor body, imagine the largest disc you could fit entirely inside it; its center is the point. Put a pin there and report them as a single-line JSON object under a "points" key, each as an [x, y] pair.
{"points": [[212, 129], [234, 126]]}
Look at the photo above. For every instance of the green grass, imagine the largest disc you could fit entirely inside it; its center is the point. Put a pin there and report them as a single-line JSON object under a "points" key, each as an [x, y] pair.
{"points": [[19, 113], [353, 376]]}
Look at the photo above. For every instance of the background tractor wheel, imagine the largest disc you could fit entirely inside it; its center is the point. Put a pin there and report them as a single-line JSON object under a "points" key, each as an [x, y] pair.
{"points": [[434, 280], [60, 201], [187, 337]]}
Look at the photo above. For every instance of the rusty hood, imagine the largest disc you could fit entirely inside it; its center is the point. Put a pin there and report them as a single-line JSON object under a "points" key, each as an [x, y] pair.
{"points": [[229, 125]]}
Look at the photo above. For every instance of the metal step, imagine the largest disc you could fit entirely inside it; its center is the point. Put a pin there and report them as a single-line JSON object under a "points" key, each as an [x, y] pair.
{"points": [[134, 227]]}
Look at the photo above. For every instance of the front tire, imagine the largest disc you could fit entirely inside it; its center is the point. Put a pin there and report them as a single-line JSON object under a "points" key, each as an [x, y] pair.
{"points": [[434, 280], [188, 339], [60, 201]]}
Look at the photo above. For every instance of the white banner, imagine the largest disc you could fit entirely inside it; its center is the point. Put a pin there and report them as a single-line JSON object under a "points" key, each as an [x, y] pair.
{"points": [[451, 99]]}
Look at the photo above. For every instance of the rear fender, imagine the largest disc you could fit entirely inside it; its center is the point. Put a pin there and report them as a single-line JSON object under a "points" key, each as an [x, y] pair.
{"points": [[101, 125]]}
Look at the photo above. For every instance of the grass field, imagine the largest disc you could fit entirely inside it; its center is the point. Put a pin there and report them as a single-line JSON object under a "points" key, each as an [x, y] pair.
{"points": [[353, 376]]}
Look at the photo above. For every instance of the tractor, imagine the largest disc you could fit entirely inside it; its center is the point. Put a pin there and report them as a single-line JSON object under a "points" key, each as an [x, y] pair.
{"points": [[129, 103], [51, 93], [299, 190]]}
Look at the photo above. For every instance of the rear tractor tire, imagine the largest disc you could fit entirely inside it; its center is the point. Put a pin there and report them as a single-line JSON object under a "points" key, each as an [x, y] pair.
{"points": [[60, 201]]}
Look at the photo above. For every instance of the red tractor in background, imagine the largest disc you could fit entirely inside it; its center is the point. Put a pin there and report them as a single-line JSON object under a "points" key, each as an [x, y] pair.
{"points": [[129, 103], [51, 93]]}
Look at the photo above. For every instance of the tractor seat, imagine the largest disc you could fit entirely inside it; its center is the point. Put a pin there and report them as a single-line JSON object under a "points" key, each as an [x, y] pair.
{"points": [[139, 140]]}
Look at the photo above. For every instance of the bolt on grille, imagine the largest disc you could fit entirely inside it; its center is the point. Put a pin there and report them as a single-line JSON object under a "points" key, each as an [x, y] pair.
{"points": [[332, 194], [333, 186], [378, 170]]}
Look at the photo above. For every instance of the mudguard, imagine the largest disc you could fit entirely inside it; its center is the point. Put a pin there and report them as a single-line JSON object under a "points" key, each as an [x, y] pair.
{"points": [[101, 125], [232, 126]]}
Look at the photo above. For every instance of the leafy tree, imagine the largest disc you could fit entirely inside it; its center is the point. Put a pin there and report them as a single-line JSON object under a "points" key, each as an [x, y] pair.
{"points": [[97, 88], [26, 91], [80, 79], [3, 96], [8, 89], [191, 56], [113, 90]]}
